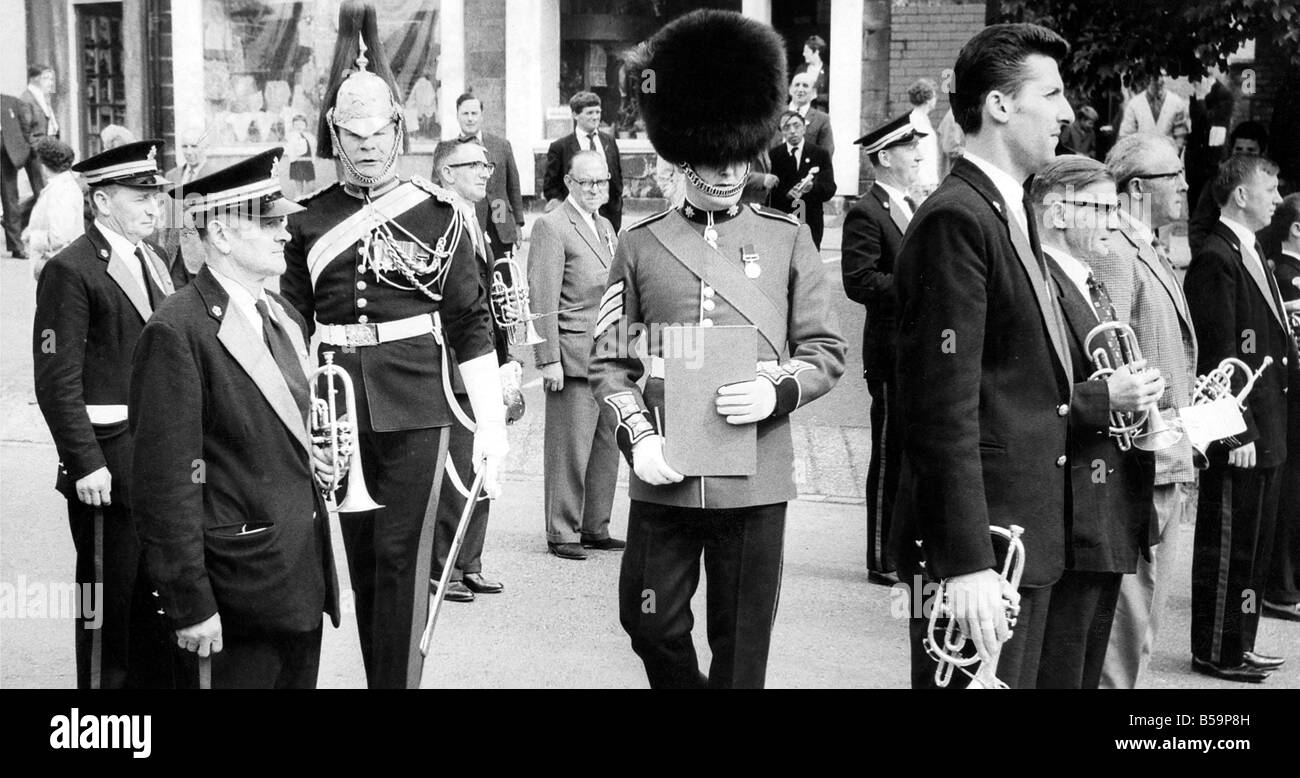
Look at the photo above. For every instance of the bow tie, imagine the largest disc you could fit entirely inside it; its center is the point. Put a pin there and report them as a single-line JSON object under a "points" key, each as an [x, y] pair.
{"points": [[469, 139]]}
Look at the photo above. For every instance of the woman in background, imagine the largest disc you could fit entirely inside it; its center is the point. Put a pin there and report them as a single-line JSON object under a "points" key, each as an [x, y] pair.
{"points": [[59, 216]]}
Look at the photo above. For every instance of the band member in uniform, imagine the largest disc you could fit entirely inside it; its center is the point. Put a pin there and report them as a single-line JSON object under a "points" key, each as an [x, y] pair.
{"points": [[92, 301], [233, 524], [984, 370], [1238, 313], [873, 233], [1109, 499], [805, 178], [720, 80], [1147, 294], [1282, 594], [385, 270]]}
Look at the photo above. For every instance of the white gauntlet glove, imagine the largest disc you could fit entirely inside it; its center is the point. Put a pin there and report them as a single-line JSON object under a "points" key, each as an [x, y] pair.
{"points": [[483, 385], [649, 464]]}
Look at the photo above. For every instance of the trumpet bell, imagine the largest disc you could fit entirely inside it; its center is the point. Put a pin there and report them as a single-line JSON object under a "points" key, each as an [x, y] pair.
{"points": [[358, 500], [523, 334], [1157, 435]]}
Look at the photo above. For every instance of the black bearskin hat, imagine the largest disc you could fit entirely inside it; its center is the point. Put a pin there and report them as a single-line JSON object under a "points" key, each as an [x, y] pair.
{"points": [[711, 86], [357, 23]]}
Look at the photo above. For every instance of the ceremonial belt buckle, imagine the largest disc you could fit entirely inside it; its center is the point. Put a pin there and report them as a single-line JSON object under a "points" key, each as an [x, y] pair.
{"points": [[361, 335]]}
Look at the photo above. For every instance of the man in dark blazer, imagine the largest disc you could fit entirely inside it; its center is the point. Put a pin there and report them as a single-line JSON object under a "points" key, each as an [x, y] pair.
{"points": [[14, 154], [586, 136], [1109, 499], [805, 178], [1238, 313], [232, 521], [1282, 593], [984, 370], [802, 93], [38, 97], [92, 301], [873, 234], [568, 267], [501, 212]]}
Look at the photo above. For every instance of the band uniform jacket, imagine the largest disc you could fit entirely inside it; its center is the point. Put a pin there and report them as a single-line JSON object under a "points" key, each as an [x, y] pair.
{"points": [[568, 269], [788, 174], [1234, 318], [800, 349], [229, 516], [503, 207], [1110, 517], [89, 314], [873, 235], [983, 386], [557, 165], [1147, 295], [398, 383]]}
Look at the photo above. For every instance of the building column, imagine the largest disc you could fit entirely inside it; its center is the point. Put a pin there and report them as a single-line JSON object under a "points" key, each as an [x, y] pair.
{"points": [[532, 79], [759, 9], [846, 91], [187, 67], [451, 63]]}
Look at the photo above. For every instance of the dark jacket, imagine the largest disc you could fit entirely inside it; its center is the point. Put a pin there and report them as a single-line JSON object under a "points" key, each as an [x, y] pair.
{"points": [[15, 119], [823, 188], [229, 517], [983, 387], [557, 164], [502, 210], [873, 235]]}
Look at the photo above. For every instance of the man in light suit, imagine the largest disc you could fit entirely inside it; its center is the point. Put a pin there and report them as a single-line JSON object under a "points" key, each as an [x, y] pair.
{"points": [[873, 235], [37, 97], [501, 212], [586, 136], [1155, 109], [241, 556], [1148, 296], [568, 265], [15, 151], [802, 93], [805, 179]]}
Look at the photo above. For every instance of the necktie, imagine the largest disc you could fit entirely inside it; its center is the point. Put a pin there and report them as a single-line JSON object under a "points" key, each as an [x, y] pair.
{"points": [[910, 202], [591, 141], [469, 139], [1275, 295], [282, 350], [794, 154], [151, 289], [1105, 313]]}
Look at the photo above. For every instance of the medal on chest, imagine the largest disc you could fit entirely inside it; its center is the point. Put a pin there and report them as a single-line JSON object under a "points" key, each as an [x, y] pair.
{"points": [[749, 257]]}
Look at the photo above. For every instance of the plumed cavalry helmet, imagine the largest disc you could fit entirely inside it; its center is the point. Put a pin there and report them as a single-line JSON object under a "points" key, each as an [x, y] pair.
{"points": [[712, 86], [362, 96]]}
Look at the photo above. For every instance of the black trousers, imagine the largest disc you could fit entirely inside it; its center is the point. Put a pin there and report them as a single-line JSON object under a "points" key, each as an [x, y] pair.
{"points": [[389, 582], [882, 473], [1284, 571], [9, 200], [460, 460], [284, 661], [1018, 661], [1235, 517], [118, 626], [742, 550], [1078, 630]]}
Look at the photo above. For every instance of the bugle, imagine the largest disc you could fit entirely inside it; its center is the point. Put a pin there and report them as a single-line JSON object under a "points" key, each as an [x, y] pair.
{"points": [[341, 436], [1147, 428], [510, 305], [1215, 389]]}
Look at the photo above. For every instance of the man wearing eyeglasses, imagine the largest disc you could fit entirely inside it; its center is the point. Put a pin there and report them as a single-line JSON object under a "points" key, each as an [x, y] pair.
{"points": [[1147, 294], [500, 211], [1108, 487], [568, 265], [586, 136]]}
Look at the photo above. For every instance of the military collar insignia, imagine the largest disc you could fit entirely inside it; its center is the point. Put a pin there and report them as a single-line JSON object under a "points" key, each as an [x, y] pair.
{"points": [[701, 216]]}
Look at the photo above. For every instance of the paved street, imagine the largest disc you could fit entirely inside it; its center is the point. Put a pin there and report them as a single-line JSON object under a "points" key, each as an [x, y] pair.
{"points": [[556, 626]]}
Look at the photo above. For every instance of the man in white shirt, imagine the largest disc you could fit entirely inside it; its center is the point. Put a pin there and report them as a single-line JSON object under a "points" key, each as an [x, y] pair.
{"points": [[37, 99], [1154, 109], [818, 132]]}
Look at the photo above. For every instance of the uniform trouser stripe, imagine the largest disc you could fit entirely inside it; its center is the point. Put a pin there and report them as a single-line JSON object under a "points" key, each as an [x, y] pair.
{"points": [[423, 559], [1225, 561], [97, 635], [882, 476]]}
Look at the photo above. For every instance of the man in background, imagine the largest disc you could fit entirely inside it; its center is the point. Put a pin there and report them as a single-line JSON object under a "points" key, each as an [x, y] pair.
{"points": [[500, 213], [586, 136]]}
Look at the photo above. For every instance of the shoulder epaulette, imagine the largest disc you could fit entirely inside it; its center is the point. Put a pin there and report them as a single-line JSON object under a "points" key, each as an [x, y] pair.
{"points": [[316, 193], [772, 213], [651, 219], [445, 195]]}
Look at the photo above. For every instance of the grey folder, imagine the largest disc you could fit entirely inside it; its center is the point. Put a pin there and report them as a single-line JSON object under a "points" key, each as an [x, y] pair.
{"points": [[698, 441]]}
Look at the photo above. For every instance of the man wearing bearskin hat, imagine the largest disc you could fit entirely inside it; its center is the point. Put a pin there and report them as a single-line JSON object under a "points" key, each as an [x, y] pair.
{"points": [[718, 86], [384, 269]]}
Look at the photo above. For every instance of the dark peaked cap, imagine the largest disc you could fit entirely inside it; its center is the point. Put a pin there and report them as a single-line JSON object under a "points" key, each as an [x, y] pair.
{"points": [[897, 132], [712, 84], [131, 164], [251, 187]]}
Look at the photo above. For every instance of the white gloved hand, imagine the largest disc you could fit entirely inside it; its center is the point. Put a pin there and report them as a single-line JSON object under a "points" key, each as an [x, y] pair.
{"points": [[746, 402], [483, 385], [649, 464]]}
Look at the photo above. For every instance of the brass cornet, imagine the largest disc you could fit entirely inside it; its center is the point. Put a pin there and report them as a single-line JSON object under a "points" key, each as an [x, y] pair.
{"points": [[945, 643], [344, 442], [509, 295], [1216, 386], [1145, 429]]}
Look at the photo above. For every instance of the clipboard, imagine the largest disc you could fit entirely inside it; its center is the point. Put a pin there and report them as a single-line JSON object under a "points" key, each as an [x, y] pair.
{"points": [[698, 441]]}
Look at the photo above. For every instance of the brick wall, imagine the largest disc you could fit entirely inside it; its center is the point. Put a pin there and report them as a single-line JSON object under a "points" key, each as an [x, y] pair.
{"points": [[924, 41]]}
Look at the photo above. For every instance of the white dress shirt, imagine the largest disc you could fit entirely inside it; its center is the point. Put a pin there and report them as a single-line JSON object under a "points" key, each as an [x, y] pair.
{"points": [[898, 198], [52, 124], [1076, 270], [588, 218], [58, 217], [1248, 241], [583, 141], [126, 250], [243, 301], [1012, 191]]}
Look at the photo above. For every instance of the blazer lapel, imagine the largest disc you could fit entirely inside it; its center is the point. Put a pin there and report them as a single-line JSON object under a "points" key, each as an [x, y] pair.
{"points": [[1256, 271], [895, 213], [1147, 255], [580, 225], [121, 275], [241, 341]]}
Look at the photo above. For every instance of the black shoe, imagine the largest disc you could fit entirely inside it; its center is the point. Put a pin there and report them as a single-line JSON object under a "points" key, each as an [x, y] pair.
{"points": [[456, 591], [884, 579], [567, 550], [1289, 611], [1263, 661], [475, 582], [603, 544], [1242, 672]]}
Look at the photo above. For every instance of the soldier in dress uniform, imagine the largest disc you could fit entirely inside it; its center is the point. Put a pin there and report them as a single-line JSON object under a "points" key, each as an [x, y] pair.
{"points": [[384, 269], [712, 261], [92, 301], [873, 234]]}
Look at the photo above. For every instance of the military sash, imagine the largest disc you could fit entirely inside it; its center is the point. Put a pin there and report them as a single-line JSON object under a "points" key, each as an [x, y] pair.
{"points": [[360, 224]]}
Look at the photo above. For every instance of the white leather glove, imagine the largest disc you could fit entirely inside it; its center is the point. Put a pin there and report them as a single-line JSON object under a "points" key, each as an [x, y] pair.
{"points": [[483, 385], [649, 464], [746, 402]]}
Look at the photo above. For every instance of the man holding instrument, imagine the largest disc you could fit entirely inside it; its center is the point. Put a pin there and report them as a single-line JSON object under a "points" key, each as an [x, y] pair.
{"points": [[233, 524], [92, 301], [720, 83], [385, 270]]}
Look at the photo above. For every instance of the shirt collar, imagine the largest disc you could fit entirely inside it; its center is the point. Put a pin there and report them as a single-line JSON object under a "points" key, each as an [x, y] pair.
{"points": [[1011, 190], [241, 297], [117, 241], [1138, 226], [1077, 270], [1291, 254], [1243, 233], [590, 218], [894, 194]]}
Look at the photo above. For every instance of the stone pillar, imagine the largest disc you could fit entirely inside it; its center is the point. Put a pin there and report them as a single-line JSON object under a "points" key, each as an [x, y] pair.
{"points": [[451, 63], [187, 66], [532, 78], [846, 47], [485, 63], [874, 108]]}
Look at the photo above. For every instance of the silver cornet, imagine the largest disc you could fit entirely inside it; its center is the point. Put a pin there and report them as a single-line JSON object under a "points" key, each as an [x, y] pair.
{"points": [[945, 643], [509, 295], [344, 442], [1215, 386], [1145, 429]]}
